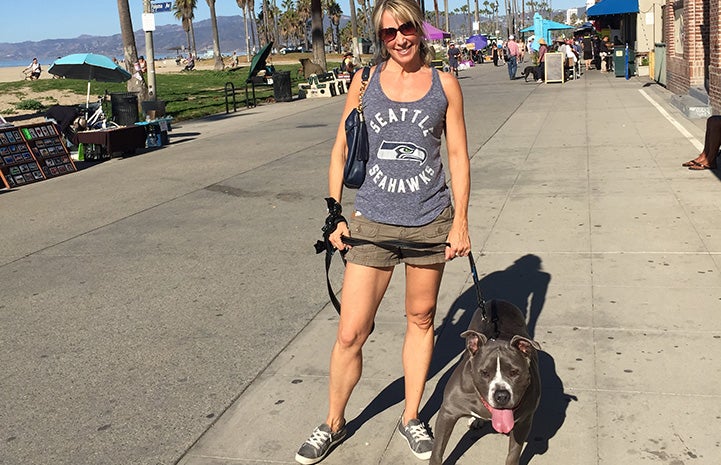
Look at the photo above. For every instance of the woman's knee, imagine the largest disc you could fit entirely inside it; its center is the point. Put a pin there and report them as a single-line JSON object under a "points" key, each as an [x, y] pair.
{"points": [[351, 338], [422, 317]]}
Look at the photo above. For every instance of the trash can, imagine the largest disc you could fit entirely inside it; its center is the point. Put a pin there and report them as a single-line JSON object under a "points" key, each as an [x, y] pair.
{"points": [[125, 107], [153, 108], [281, 86], [619, 61]]}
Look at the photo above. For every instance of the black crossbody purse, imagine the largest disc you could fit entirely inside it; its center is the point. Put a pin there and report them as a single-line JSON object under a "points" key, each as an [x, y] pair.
{"points": [[356, 135]]}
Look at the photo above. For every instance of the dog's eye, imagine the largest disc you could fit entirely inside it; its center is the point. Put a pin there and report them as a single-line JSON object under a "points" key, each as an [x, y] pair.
{"points": [[514, 373], [485, 374]]}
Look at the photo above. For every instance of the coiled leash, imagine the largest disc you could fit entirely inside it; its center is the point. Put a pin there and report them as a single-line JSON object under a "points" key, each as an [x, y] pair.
{"points": [[331, 223]]}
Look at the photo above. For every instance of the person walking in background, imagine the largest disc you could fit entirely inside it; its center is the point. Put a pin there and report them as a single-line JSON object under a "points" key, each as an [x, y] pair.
{"points": [[453, 54], [513, 54], [587, 46], [712, 143], [403, 90], [494, 53]]}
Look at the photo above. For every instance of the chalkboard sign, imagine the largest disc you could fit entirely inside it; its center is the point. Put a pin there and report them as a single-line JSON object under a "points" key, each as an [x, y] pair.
{"points": [[554, 67]]}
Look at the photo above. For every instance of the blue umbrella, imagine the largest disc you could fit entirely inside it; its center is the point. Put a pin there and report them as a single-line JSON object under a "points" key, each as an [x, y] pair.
{"points": [[478, 40], [90, 67]]}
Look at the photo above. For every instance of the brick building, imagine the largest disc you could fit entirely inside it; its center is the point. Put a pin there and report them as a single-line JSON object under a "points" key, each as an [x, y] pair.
{"points": [[692, 31]]}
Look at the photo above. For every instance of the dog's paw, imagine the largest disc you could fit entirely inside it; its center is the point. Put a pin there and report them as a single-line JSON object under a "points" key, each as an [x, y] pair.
{"points": [[476, 423]]}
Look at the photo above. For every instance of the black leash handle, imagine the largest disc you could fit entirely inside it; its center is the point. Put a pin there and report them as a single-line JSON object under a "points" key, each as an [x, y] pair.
{"points": [[477, 285]]}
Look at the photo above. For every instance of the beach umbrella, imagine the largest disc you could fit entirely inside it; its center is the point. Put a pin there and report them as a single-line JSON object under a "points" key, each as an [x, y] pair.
{"points": [[258, 61], [478, 40], [90, 67]]}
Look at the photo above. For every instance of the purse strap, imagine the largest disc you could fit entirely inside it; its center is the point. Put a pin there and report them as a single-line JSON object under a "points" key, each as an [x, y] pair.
{"points": [[364, 83]]}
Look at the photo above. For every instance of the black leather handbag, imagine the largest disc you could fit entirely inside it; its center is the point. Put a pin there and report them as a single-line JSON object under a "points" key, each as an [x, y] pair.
{"points": [[356, 135]]}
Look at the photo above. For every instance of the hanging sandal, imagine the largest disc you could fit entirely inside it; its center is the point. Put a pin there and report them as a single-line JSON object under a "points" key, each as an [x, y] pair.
{"points": [[690, 163]]}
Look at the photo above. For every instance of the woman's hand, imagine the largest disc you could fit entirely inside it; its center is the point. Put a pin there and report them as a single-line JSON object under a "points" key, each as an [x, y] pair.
{"points": [[335, 237], [460, 242]]}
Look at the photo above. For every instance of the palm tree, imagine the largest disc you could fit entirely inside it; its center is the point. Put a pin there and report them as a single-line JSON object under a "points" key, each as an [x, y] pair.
{"points": [[435, 9], [216, 41], [448, 23], [316, 33], [130, 52], [334, 13], [185, 11], [242, 4], [354, 29]]}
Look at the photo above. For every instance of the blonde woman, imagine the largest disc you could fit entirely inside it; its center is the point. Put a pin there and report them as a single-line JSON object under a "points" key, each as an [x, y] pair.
{"points": [[408, 106]]}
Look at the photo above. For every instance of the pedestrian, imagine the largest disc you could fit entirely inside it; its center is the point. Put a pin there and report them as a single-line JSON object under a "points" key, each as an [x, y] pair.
{"points": [[587, 45], [712, 143], [542, 50], [409, 105], [513, 54], [453, 54], [494, 53]]}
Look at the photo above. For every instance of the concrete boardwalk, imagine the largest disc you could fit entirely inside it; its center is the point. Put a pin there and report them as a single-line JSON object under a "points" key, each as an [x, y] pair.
{"points": [[168, 308], [582, 215]]}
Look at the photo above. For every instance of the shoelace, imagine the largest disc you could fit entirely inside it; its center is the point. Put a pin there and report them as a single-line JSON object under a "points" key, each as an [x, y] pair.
{"points": [[318, 438], [419, 433]]}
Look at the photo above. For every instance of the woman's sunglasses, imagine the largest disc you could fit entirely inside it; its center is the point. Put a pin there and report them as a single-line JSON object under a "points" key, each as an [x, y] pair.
{"points": [[389, 33]]}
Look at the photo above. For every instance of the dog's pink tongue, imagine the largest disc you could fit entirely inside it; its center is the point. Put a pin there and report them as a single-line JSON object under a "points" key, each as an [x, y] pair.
{"points": [[502, 420]]}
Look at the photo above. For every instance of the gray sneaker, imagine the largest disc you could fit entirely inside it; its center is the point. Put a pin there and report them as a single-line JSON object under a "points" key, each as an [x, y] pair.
{"points": [[320, 442], [416, 434]]}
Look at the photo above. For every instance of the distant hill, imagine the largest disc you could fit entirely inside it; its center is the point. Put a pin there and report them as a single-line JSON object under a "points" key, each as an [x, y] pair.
{"points": [[167, 41]]}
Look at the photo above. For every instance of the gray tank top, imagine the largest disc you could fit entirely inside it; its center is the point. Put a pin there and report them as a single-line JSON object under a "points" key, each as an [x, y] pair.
{"points": [[405, 183]]}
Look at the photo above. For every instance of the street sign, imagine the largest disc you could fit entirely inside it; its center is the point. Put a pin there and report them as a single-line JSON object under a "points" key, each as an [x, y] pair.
{"points": [[162, 6]]}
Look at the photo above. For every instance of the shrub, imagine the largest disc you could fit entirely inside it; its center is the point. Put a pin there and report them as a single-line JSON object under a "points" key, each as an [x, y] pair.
{"points": [[29, 104]]}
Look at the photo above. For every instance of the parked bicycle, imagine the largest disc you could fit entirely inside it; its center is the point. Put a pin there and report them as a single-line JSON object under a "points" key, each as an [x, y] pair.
{"points": [[98, 119]]}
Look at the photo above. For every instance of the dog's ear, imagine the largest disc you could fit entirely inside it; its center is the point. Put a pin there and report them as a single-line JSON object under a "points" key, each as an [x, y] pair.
{"points": [[525, 345], [474, 340]]}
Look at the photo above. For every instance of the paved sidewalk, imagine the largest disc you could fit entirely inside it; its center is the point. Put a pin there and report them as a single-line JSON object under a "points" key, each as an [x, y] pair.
{"points": [[582, 215]]}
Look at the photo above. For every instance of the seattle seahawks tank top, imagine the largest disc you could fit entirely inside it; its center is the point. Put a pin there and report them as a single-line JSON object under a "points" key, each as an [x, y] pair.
{"points": [[405, 183]]}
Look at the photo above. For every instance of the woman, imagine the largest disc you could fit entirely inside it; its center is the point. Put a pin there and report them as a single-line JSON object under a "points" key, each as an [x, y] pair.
{"points": [[408, 105], [712, 142]]}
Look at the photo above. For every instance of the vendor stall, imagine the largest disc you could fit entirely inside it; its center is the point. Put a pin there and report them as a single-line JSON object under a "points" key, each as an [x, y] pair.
{"points": [[103, 143]]}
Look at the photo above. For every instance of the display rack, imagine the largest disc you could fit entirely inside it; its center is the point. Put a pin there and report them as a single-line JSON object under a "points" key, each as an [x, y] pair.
{"points": [[32, 153]]}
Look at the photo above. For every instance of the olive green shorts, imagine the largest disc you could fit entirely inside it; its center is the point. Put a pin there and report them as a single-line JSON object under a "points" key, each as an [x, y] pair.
{"points": [[372, 255]]}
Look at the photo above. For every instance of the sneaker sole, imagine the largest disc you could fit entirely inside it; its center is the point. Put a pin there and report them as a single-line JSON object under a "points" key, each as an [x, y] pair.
{"points": [[306, 461], [422, 455]]}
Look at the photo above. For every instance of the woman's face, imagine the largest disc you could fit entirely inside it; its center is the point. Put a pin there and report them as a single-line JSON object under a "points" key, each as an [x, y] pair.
{"points": [[404, 47]]}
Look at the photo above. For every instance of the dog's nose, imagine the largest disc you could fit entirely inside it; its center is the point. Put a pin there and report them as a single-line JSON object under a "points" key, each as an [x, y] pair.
{"points": [[501, 397]]}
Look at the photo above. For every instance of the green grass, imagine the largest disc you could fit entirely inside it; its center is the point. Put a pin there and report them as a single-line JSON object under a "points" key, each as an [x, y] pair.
{"points": [[188, 95]]}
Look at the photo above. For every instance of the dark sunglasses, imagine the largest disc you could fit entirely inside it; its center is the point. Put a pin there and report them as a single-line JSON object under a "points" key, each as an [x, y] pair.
{"points": [[389, 33]]}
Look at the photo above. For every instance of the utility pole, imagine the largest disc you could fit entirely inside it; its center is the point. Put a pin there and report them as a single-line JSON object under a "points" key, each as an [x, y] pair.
{"points": [[149, 27]]}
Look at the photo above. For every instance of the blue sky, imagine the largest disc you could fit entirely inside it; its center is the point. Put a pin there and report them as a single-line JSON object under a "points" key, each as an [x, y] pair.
{"points": [[61, 19]]}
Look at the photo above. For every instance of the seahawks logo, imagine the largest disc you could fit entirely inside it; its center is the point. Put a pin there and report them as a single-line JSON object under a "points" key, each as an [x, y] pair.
{"points": [[401, 151]]}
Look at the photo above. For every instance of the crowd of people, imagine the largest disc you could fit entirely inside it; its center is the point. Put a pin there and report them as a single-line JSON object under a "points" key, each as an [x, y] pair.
{"points": [[595, 52]]}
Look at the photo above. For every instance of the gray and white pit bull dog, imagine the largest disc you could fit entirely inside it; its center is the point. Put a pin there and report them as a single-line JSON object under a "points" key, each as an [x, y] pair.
{"points": [[497, 379]]}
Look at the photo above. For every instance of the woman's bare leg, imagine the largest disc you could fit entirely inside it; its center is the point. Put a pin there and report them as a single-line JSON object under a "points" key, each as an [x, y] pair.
{"points": [[363, 289], [422, 284]]}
